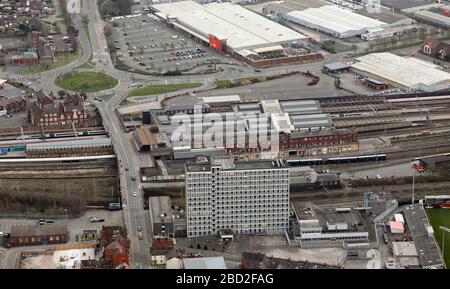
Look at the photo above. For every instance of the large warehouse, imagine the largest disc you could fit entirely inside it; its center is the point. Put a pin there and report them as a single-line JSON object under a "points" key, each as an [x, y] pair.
{"points": [[229, 28], [402, 72], [334, 20]]}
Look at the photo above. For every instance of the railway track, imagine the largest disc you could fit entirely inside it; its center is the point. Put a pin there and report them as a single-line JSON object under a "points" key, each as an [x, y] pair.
{"points": [[356, 194]]}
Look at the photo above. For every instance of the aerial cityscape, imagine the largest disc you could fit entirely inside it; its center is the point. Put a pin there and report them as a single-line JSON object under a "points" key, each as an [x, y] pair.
{"points": [[224, 134]]}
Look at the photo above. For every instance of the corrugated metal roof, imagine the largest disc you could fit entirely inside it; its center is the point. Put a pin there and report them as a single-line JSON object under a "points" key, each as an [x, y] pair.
{"points": [[97, 142], [300, 106], [311, 120], [400, 70], [336, 66], [335, 18], [241, 27]]}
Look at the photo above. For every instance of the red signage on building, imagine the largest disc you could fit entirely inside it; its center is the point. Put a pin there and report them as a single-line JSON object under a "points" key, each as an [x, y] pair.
{"points": [[215, 43]]}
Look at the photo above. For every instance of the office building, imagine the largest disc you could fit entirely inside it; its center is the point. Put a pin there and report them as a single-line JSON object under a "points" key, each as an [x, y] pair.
{"points": [[246, 197]]}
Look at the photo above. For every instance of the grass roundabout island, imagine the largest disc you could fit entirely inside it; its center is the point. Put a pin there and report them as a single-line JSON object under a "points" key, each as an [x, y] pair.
{"points": [[86, 81]]}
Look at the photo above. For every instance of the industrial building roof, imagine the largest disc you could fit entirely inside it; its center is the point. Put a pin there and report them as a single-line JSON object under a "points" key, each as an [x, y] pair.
{"points": [[336, 19], [433, 17], [399, 70], [205, 263], [300, 106], [385, 15], [90, 143], [336, 66], [271, 106], [221, 99], [160, 209], [402, 4], [311, 120], [240, 27], [425, 244], [404, 249]]}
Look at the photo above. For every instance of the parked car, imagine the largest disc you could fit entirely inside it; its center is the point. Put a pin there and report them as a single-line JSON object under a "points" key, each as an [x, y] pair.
{"points": [[139, 228], [95, 220], [140, 236], [41, 222]]}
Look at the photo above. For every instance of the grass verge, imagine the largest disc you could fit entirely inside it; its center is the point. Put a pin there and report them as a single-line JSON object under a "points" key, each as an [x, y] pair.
{"points": [[441, 217], [86, 81]]}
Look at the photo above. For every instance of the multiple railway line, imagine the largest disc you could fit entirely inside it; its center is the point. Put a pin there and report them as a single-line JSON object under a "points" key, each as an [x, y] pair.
{"points": [[400, 192]]}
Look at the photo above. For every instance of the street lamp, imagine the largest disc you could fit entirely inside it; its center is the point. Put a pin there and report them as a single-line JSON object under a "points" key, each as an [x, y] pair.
{"points": [[444, 230], [414, 176]]}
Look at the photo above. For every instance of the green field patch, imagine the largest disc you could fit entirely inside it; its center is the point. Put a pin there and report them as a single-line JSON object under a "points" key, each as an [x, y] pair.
{"points": [[86, 81]]}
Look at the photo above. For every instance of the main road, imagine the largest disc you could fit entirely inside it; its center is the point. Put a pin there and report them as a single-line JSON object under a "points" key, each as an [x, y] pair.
{"points": [[128, 157], [129, 164]]}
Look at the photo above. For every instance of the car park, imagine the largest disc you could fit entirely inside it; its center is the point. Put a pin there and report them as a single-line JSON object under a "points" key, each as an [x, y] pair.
{"points": [[161, 46]]}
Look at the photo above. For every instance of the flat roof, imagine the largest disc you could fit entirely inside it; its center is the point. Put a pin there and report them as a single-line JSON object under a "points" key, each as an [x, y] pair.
{"points": [[240, 27], [336, 66], [417, 222], [250, 165], [160, 205], [400, 70], [335, 18], [404, 249], [221, 98], [402, 4], [268, 49], [204, 263]]}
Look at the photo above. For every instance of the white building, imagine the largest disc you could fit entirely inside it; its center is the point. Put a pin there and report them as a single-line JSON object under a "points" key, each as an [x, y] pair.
{"points": [[402, 72], [246, 197], [234, 26], [333, 20]]}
